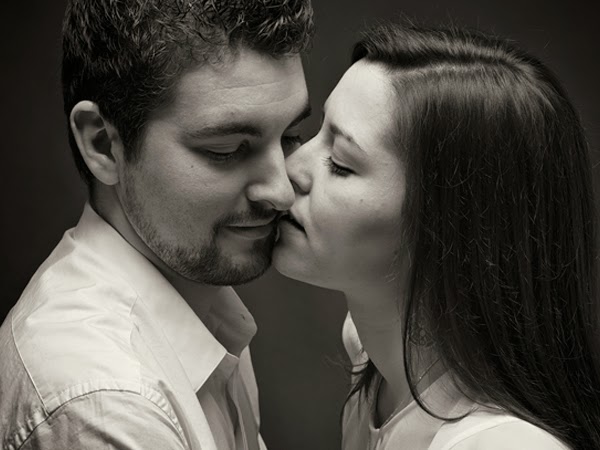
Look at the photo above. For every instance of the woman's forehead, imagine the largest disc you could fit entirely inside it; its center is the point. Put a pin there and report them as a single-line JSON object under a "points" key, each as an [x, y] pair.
{"points": [[363, 105]]}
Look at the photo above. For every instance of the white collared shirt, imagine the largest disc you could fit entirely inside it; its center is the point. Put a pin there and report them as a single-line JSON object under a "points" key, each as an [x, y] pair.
{"points": [[102, 352]]}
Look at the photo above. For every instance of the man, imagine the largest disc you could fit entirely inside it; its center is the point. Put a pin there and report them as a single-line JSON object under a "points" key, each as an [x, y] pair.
{"points": [[128, 336]]}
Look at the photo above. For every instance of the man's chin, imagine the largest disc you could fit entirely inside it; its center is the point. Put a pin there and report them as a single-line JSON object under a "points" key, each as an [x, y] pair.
{"points": [[243, 268], [231, 267], [234, 272]]}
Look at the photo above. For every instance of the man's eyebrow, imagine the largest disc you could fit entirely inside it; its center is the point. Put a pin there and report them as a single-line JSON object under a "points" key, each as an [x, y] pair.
{"points": [[226, 129], [306, 112], [229, 129]]}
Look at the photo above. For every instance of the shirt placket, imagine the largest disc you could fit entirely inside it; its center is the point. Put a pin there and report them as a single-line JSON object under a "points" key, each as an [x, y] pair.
{"points": [[248, 432]]}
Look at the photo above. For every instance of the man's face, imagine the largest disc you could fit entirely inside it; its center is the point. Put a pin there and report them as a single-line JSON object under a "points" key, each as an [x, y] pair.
{"points": [[209, 184]]}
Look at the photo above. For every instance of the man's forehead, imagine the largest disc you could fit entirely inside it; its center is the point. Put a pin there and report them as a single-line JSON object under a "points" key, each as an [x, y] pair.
{"points": [[259, 89], [247, 74]]}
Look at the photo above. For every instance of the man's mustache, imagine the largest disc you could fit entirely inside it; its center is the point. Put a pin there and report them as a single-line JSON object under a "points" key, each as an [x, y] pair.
{"points": [[256, 214]]}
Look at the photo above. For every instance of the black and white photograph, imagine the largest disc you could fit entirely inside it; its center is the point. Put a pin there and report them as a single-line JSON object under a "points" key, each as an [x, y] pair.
{"points": [[300, 225]]}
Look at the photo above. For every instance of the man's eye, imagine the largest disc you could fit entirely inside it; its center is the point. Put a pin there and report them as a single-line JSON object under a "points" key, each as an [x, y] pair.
{"points": [[223, 157], [220, 157], [291, 142]]}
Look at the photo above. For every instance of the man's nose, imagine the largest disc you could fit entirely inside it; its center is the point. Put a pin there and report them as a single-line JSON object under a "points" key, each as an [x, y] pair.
{"points": [[271, 185]]}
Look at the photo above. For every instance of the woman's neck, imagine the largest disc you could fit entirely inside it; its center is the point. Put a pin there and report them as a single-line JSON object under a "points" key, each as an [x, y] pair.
{"points": [[379, 319]]}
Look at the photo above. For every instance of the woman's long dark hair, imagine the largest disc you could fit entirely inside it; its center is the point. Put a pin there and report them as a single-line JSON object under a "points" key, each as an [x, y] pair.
{"points": [[500, 217]]}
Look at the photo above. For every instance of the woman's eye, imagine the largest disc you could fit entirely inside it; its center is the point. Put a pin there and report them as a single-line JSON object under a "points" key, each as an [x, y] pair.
{"points": [[336, 169], [291, 142]]}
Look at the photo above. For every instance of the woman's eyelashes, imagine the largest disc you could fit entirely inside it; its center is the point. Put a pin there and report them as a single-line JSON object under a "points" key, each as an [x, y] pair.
{"points": [[336, 169]]}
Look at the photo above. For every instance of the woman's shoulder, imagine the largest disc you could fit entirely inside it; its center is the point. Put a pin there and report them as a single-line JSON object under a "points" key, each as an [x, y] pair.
{"points": [[487, 430]]}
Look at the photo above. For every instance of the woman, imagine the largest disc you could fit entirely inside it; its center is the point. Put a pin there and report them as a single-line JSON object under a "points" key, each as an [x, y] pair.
{"points": [[448, 196]]}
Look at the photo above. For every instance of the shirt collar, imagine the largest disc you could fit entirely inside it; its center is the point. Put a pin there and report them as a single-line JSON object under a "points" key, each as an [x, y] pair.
{"points": [[197, 348]]}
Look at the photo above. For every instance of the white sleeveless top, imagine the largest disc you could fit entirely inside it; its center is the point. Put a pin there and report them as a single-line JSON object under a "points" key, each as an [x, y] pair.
{"points": [[414, 429]]}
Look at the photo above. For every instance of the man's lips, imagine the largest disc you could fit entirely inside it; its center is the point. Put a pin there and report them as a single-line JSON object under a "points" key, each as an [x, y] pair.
{"points": [[258, 223], [256, 230]]}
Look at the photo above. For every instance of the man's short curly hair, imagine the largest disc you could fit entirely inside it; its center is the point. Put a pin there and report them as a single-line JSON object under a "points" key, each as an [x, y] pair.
{"points": [[127, 55]]}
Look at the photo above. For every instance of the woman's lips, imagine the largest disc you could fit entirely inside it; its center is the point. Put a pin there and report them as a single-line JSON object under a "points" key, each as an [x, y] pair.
{"points": [[289, 218]]}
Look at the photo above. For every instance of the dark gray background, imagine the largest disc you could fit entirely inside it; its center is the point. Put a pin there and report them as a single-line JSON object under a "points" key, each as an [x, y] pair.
{"points": [[297, 350]]}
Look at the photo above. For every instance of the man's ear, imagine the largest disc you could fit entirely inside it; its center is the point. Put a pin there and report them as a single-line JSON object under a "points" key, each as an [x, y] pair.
{"points": [[99, 142]]}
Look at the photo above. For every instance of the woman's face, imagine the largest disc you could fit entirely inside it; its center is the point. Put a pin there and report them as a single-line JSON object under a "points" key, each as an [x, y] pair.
{"points": [[344, 230]]}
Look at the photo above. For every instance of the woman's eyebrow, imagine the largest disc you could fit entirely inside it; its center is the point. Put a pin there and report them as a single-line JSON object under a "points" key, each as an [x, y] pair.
{"points": [[337, 131]]}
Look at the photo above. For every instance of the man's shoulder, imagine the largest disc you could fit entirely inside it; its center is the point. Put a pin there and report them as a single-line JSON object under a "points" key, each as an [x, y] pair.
{"points": [[69, 335], [71, 328], [65, 376], [73, 271]]}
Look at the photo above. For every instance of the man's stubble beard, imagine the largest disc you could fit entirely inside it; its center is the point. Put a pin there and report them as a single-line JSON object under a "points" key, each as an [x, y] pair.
{"points": [[205, 264]]}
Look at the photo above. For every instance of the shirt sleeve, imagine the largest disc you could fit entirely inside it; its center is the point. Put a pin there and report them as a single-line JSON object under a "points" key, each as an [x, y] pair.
{"points": [[510, 436], [105, 420]]}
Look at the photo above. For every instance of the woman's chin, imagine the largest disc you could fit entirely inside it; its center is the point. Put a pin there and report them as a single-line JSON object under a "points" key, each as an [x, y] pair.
{"points": [[286, 262], [293, 259], [287, 258], [298, 268]]}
